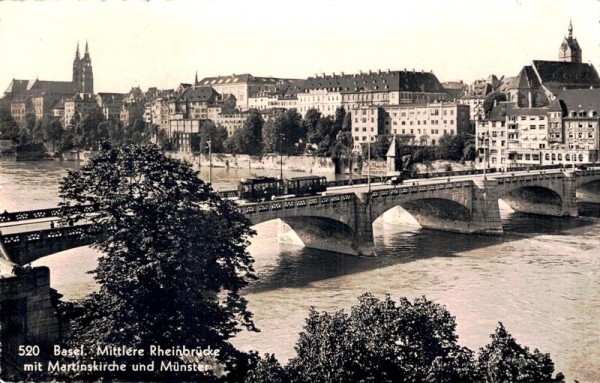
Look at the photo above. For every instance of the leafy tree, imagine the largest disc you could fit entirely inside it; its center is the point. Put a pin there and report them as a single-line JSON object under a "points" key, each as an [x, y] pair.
{"points": [[213, 133], [491, 99], [285, 133], [379, 148], [267, 370], [380, 341], [311, 119], [452, 147], [173, 262], [9, 129], [248, 139], [504, 360], [52, 131]]}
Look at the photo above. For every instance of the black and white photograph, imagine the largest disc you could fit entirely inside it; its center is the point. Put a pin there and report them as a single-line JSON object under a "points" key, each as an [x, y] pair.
{"points": [[300, 191]]}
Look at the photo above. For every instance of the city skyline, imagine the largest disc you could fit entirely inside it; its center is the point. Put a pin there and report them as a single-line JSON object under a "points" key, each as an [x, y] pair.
{"points": [[163, 44]]}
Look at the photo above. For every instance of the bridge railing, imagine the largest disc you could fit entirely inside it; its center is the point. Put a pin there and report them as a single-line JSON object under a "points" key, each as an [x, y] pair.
{"points": [[44, 213], [48, 234], [283, 204], [528, 177]]}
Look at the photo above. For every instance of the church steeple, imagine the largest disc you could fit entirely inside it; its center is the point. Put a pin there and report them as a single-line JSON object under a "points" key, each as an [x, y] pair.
{"points": [[570, 29], [87, 52], [569, 49], [77, 70]]}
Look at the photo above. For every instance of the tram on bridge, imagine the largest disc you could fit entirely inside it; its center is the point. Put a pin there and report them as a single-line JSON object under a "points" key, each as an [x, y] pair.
{"points": [[268, 188]]}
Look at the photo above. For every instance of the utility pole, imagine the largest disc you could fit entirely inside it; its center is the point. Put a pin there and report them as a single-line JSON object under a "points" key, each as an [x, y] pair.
{"points": [[281, 156], [209, 161]]}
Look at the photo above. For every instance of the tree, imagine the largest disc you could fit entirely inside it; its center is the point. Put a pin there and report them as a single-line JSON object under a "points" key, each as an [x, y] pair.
{"points": [[504, 360], [9, 129], [491, 99], [311, 119], [213, 133], [248, 139], [285, 133], [52, 131], [267, 370], [173, 262], [452, 147], [380, 341]]}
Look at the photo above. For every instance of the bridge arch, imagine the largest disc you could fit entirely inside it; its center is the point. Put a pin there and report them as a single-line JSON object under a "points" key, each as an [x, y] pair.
{"points": [[435, 213], [534, 199]]}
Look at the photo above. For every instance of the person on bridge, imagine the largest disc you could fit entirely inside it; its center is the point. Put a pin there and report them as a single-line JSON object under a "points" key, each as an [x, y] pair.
{"points": [[51, 224]]}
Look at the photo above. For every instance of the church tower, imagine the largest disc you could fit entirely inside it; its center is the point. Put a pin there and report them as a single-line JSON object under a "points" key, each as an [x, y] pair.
{"points": [[569, 49], [87, 76], [77, 71]]}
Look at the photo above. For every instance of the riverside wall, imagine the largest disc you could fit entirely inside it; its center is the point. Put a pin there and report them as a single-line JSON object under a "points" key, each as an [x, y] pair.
{"points": [[307, 164]]}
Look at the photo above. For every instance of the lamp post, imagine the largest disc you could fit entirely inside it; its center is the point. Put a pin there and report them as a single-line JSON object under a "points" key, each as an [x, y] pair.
{"points": [[209, 162], [281, 135], [369, 165]]}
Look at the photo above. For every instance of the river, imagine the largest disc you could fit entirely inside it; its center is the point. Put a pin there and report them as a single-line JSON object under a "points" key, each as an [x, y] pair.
{"points": [[541, 279]]}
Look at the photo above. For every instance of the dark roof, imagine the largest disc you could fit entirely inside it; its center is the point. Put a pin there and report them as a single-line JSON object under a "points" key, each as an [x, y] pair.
{"points": [[17, 86], [559, 75], [528, 78], [581, 99], [38, 87], [198, 94], [239, 78], [403, 81]]}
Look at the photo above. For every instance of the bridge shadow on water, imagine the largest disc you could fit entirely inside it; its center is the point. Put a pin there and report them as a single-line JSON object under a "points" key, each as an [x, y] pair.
{"points": [[297, 267]]}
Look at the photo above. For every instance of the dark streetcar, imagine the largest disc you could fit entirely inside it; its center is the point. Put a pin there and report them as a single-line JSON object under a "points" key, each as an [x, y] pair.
{"points": [[308, 185], [260, 188]]}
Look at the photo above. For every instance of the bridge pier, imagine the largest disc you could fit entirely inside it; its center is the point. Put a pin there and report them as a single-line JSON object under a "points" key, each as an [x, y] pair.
{"points": [[363, 241], [27, 315]]}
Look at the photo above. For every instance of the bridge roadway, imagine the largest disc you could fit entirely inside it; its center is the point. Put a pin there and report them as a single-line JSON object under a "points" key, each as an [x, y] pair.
{"points": [[341, 218]]}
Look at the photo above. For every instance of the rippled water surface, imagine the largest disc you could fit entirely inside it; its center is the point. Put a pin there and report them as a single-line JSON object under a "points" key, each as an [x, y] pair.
{"points": [[541, 279]]}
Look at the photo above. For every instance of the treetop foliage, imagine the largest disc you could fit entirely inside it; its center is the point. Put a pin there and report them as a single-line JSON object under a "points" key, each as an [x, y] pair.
{"points": [[174, 257]]}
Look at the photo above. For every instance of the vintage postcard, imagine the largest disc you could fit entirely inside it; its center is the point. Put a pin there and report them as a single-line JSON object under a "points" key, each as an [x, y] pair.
{"points": [[317, 191]]}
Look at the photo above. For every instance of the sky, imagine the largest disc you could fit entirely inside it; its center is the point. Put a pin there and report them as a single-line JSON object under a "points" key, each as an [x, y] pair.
{"points": [[163, 43]]}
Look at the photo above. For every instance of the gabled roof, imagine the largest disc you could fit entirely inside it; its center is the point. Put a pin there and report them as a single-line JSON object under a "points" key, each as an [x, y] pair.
{"points": [[527, 78], [38, 87], [559, 75], [198, 94]]}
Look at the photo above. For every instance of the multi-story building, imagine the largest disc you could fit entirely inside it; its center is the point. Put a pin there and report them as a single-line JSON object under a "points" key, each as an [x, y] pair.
{"points": [[552, 114], [244, 86], [426, 123], [475, 95], [327, 93], [131, 111], [78, 106], [40, 97]]}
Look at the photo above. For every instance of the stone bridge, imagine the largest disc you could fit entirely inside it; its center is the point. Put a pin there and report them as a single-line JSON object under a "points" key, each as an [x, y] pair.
{"points": [[342, 218]]}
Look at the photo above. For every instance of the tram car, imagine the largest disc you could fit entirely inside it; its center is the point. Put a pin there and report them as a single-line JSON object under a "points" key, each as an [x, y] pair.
{"points": [[308, 185], [260, 188], [268, 188]]}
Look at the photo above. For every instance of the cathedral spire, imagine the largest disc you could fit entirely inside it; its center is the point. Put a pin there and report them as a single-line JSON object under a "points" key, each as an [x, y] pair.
{"points": [[77, 52], [196, 80], [87, 52]]}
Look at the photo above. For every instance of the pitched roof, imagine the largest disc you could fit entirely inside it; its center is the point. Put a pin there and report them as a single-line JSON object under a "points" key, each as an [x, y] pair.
{"points": [[403, 81], [198, 94], [581, 99], [37, 87], [559, 75]]}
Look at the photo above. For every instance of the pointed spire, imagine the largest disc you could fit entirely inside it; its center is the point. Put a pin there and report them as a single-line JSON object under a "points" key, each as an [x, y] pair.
{"points": [[196, 81], [87, 51], [570, 29], [77, 52]]}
